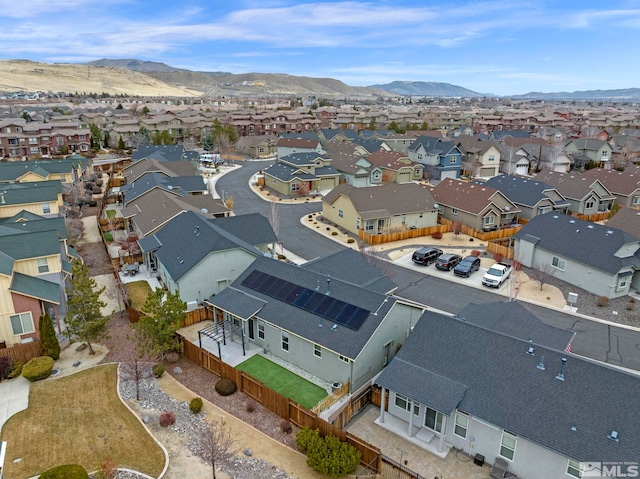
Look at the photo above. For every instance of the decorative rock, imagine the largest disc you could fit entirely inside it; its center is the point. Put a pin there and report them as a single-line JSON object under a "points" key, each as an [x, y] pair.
{"points": [[76, 364], [177, 370], [146, 419], [248, 452]]}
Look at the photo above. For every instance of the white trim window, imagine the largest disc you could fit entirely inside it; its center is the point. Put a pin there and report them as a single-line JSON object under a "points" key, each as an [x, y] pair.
{"points": [[573, 469], [433, 420], [341, 213], [344, 358], [43, 265], [403, 402], [454, 211], [317, 350], [589, 205], [285, 341], [558, 263], [461, 424], [22, 323], [46, 208], [261, 329], [489, 220], [508, 445], [636, 201]]}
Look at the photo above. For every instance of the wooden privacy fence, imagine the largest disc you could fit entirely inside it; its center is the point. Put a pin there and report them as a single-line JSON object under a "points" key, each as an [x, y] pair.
{"points": [[501, 246], [276, 403], [595, 217], [111, 224], [196, 316], [22, 352], [485, 235], [401, 235]]}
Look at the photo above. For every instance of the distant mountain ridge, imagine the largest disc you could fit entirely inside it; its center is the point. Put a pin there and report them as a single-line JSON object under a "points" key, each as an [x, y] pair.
{"points": [[422, 88], [159, 79]]}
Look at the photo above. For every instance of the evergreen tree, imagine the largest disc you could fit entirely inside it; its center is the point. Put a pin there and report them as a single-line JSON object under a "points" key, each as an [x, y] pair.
{"points": [[156, 330], [84, 318], [48, 341], [162, 138], [96, 136], [121, 144]]}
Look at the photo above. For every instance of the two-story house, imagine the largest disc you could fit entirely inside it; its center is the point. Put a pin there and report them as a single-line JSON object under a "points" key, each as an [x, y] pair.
{"points": [[39, 197], [583, 150], [480, 158], [441, 159], [625, 185], [300, 174]]}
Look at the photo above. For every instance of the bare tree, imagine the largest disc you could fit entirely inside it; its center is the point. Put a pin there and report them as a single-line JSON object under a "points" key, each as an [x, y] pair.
{"points": [[136, 366], [213, 443], [542, 273], [508, 155], [554, 153], [456, 228], [589, 131]]}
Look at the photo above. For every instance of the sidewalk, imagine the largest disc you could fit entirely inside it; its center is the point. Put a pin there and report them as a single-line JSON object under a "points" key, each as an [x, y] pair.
{"points": [[14, 397]]}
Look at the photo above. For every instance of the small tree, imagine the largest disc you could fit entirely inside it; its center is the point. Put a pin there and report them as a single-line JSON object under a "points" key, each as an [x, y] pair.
{"points": [[156, 330], [48, 341], [213, 443], [84, 317], [328, 456], [542, 273], [121, 144], [456, 228], [136, 366]]}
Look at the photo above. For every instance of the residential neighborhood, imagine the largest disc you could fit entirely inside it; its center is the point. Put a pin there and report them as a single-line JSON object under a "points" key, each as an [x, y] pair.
{"points": [[295, 249]]}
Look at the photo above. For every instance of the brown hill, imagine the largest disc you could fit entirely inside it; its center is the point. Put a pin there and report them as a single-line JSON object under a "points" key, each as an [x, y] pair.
{"points": [[24, 75]]}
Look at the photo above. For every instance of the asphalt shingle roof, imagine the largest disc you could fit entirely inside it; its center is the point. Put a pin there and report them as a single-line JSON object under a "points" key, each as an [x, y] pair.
{"points": [[254, 228], [504, 386], [582, 241], [521, 190], [237, 302], [570, 185], [36, 287], [342, 340]]}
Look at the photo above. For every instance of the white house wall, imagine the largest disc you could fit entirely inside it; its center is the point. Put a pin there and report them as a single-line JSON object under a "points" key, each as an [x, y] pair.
{"points": [[206, 278]]}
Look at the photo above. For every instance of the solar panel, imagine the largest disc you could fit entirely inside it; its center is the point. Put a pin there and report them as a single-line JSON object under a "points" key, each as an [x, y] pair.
{"points": [[321, 304]]}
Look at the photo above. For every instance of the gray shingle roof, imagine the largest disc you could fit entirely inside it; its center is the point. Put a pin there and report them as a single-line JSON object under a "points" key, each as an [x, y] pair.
{"points": [[626, 219], [582, 241], [188, 238], [158, 152], [570, 185], [36, 287], [521, 190], [301, 159], [254, 228], [287, 173], [179, 185], [237, 302], [512, 319], [505, 387], [342, 340], [352, 267]]}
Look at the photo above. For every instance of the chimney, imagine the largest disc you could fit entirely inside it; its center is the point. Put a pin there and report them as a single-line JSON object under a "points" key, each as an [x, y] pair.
{"points": [[560, 375], [541, 364]]}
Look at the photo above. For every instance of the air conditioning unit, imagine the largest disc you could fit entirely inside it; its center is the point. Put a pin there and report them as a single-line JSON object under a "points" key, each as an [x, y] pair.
{"points": [[191, 305]]}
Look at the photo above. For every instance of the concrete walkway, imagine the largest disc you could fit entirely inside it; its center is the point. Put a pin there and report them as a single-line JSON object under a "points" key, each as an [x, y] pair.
{"points": [[14, 397]]}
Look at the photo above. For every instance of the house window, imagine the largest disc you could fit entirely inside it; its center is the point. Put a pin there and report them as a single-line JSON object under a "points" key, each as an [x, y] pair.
{"points": [[454, 211], [369, 225], [43, 265], [403, 402], [295, 187], [453, 160], [508, 445], [492, 158], [260, 329], [285, 341], [636, 200], [489, 220], [558, 263], [22, 323], [573, 468], [622, 283], [46, 208], [433, 420], [357, 223], [404, 220], [589, 205], [462, 422], [33, 141], [317, 351], [344, 358], [34, 150], [419, 156], [341, 213]]}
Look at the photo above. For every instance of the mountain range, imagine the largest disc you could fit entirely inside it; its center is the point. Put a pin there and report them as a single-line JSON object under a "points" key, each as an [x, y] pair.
{"points": [[145, 78]]}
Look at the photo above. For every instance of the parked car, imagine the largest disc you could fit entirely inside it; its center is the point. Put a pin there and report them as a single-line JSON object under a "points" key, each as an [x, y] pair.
{"points": [[467, 266], [448, 261], [426, 255]]}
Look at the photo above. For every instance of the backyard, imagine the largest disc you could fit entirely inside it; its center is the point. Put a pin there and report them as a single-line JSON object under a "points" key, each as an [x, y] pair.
{"points": [[283, 381], [137, 292], [68, 422]]}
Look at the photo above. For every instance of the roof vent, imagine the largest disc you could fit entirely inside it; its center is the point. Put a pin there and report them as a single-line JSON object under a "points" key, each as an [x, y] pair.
{"points": [[541, 364], [613, 436], [555, 217], [574, 427], [572, 221], [328, 286], [560, 375], [530, 351], [590, 227], [334, 327]]}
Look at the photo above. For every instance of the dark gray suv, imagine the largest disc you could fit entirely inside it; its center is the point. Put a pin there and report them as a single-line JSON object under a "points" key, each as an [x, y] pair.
{"points": [[448, 261], [426, 256], [467, 266]]}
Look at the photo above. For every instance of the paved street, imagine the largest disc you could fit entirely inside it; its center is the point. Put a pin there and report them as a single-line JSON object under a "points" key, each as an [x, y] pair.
{"points": [[604, 342]]}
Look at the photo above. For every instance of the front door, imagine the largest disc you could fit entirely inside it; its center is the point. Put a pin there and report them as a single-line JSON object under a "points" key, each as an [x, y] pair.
{"points": [[433, 420]]}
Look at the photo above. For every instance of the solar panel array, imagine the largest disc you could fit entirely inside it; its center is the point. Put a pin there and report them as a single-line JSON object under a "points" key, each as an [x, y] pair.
{"points": [[312, 301]]}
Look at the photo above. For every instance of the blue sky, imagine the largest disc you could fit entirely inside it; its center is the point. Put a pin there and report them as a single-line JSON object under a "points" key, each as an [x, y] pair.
{"points": [[501, 47]]}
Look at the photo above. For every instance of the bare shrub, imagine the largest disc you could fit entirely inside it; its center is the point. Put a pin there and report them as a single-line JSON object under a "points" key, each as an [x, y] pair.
{"points": [[498, 257], [251, 406], [285, 426], [167, 418], [475, 252], [602, 301], [437, 235]]}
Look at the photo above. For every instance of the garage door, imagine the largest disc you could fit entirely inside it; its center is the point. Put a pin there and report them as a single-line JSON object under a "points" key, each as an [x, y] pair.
{"points": [[449, 174], [487, 172], [522, 170]]}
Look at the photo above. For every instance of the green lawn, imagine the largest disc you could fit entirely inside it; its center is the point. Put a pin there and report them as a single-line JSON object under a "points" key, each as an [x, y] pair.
{"points": [[110, 214], [137, 292], [283, 381]]}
